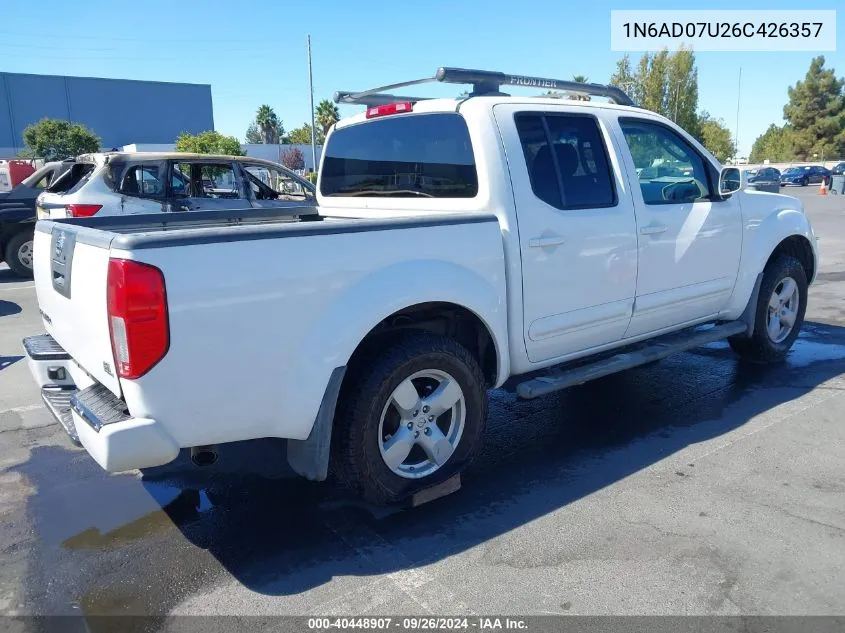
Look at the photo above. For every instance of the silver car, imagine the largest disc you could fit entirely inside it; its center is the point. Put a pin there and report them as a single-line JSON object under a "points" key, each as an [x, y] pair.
{"points": [[141, 183]]}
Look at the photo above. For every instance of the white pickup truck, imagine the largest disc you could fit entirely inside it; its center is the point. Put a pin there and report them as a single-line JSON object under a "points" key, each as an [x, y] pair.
{"points": [[459, 245]]}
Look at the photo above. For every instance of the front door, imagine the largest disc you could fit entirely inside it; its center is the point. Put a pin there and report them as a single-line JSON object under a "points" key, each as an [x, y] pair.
{"points": [[577, 230], [689, 241]]}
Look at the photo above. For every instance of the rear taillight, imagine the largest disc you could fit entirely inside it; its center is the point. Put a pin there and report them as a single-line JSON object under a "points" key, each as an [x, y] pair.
{"points": [[82, 210], [390, 108], [138, 323]]}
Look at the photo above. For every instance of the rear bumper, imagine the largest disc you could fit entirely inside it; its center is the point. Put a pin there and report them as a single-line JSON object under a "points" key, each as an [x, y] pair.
{"points": [[92, 415]]}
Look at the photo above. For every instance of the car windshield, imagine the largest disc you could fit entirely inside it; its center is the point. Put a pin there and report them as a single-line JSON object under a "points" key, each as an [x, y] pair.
{"points": [[792, 171]]}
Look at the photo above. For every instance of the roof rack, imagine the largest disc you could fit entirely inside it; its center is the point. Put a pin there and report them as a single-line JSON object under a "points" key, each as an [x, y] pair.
{"points": [[484, 83]]}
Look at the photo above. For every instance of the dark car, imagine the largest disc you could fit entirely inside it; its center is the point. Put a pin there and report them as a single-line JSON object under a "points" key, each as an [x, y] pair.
{"points": [[805, 175], [838, 169], [17, 216], [763, 175]]}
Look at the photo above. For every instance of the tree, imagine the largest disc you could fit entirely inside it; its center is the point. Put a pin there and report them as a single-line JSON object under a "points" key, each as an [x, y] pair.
{"points": [[326, 115], [54, 139], [253, 135], [581, 79], [302, 135], [682, 91], [716, 137], [209, 142], [816, 112], [293, 159], [664, 83], [623, 78], [777, 143], [269, 125]]}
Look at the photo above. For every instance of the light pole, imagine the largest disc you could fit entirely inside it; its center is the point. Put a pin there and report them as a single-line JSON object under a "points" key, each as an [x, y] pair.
{"points": [[311, 90], [738, 91]]}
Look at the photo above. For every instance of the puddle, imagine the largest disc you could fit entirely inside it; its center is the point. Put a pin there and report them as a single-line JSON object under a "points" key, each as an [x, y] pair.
{"points": [[174, 508]]}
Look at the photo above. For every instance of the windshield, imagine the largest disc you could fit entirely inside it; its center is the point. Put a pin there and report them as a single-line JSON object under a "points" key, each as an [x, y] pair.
{"points": [[793, 171], [426, 155]]}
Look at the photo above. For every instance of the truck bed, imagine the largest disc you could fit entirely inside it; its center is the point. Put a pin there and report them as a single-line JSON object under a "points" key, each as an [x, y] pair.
{"points": [[133, 232], [257, 323]]}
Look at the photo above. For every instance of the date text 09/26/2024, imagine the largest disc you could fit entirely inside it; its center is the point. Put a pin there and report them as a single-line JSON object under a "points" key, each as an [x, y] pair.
{"points": [[417, 623]]}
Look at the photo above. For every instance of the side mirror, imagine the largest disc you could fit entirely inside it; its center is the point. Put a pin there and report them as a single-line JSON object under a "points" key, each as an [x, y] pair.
{"points": [[729, 181]]}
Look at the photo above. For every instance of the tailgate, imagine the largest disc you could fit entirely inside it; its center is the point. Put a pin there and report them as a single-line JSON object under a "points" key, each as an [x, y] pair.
{"points": [[71, 265]]}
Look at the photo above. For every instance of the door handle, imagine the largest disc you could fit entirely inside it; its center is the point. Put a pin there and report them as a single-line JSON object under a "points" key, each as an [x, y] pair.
{"points": [[539, 242], [654, 229]]}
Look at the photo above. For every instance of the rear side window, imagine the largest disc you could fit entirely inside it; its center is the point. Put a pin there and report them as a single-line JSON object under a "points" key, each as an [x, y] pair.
{"points": [[567, 160], [143, 180], [422, 155]]}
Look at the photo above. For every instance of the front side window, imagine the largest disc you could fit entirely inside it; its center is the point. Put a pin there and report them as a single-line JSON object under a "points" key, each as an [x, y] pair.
{"points": [[669, 170], [567, 160], [407, 155], [269, 183]]}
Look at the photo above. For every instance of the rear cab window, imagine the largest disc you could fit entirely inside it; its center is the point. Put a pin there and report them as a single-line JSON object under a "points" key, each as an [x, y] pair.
{"points": [[413, 155]]}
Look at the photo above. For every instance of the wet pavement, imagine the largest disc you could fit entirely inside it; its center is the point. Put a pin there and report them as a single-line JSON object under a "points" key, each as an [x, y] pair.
{"points": [[697, 485]]}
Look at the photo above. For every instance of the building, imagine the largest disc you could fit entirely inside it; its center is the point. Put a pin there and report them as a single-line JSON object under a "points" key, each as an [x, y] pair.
{"points": [[272, 152], [119, 111]]}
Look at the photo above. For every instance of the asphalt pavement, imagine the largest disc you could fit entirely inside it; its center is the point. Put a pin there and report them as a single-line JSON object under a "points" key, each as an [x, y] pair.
{"points": [[695, 486]]}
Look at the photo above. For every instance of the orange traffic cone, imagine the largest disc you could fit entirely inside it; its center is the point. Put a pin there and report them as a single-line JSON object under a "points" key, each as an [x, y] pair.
{"points": [[823, 188]]}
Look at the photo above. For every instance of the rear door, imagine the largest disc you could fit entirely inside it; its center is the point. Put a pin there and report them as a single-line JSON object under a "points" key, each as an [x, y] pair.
{"points": [[206, 186], [577, 229], [141, 186], [71, 268]]}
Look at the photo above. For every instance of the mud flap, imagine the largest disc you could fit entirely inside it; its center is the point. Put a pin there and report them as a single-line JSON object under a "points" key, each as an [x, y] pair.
{"points": [[310, 457], [749, 315]]}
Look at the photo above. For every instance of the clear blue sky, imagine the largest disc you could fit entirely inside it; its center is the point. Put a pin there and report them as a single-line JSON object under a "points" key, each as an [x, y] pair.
{"points": [[254, 51]]}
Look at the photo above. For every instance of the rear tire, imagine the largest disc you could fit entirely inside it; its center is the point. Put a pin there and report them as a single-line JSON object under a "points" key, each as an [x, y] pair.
{"points": [[375, 422], [780, 313], [19, 254]]}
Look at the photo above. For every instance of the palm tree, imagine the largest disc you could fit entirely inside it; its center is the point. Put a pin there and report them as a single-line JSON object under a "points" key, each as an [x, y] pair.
{"points": [[268, 124], [326, 115], [581, 79]]}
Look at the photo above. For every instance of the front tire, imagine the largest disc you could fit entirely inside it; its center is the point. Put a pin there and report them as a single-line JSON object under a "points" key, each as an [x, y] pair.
{"points": [[19, 254], [780, 313], [411, 414]]}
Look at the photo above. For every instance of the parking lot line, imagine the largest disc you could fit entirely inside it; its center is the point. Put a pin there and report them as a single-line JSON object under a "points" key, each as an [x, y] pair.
{"points": [[22, 409], [25, 287]]}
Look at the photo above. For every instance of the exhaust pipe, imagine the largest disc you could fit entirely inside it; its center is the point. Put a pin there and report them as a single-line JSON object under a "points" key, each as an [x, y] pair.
{"points": [[203, 455]]}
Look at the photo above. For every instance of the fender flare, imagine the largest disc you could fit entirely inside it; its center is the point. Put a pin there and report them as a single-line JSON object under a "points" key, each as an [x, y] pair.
{"points": [[350, 319], [760, 242]]}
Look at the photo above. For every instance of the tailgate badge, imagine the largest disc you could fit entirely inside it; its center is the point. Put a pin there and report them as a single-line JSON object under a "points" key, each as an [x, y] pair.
{"points": [[60, 244], [107, 368]]}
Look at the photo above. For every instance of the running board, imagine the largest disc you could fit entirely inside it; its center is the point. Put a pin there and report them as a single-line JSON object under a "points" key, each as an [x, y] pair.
{"points": [[652, 350]]}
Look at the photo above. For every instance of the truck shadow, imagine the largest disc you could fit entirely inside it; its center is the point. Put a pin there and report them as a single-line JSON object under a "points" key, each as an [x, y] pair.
{"points": [[8, 307], [280, 536], [8, 361], [7, 276]]}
